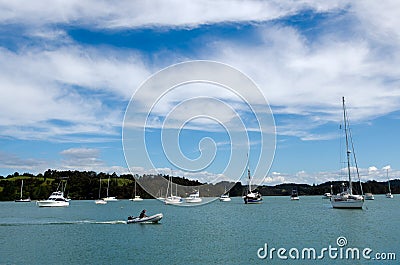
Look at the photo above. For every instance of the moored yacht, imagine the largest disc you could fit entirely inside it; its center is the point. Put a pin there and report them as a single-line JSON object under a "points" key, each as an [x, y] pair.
{"points": [[295, 195], [251, 197], [327, 195], [56, 199], [369, 196], [346, 199], [389, 195], [172, 199], [109, 198], [194, 197], [136, 198], [225, 198]]}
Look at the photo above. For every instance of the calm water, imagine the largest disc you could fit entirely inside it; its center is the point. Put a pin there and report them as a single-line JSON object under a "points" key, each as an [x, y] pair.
{"points": [[215, 233]]}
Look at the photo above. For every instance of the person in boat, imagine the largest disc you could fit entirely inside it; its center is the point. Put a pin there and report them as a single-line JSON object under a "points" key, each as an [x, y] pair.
{"points": [[143, 214]]}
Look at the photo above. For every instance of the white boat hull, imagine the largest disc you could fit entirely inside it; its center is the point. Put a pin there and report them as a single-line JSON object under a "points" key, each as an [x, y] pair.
{"points": [[136, 199], [149, 219], [167, 201], [225, 199], [193, 200], [110, 199], [23, 200], [347, 204], [389, 195], [51, 203], [173, 200], [294, 198], [100, 202]]}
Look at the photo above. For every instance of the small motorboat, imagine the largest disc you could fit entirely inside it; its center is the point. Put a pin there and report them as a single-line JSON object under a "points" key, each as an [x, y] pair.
{"points": [[148, 219]]}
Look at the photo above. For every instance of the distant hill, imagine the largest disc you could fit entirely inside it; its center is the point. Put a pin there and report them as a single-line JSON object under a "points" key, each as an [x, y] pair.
{"points": [[84, 185]]}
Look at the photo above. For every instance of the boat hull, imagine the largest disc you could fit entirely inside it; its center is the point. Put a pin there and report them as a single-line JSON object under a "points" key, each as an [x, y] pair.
{"points": [[136, 199], [172, 201], [149, 219], [110, 199], [347, 204], [224, 199], [23, 200], [252, 201], [193, 200], [51, 203], [100, 202]]}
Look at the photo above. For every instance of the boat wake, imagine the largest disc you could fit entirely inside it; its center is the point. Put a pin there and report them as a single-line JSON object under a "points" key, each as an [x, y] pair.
{"points": [[114, 222]]}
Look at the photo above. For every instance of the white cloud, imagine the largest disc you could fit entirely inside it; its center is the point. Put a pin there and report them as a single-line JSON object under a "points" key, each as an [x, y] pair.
{"points": [[372, 169], [303, 177], [307, 76], [173, 13], [298, 75], [70, 84]]}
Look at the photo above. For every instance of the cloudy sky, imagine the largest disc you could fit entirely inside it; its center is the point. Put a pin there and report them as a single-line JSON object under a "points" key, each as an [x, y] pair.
{"points": [[68, 70]]}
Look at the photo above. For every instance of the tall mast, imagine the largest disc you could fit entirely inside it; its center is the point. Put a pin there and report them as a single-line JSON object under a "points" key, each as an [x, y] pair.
{"points": [[135, 188], [387, 175], [22, 184], [100, 189], [108, 185], [347, 148], [248, 173]]}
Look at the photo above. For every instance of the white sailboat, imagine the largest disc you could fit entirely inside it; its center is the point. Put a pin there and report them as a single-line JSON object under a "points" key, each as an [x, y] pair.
{"points": [[346, 199], [194, 197], [20, 199], [109, 198], [389, 195], [137, 197], [251, 197], [172, 199], [100, 200]]}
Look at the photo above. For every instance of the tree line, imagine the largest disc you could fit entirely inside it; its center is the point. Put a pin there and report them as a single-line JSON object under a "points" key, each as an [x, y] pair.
{"points": [[84, 185]]}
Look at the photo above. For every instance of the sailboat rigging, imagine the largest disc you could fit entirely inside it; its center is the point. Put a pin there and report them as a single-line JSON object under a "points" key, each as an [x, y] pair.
{"points": [[251, 197], [136, 198], [100, 200], [172, 199], [389, 195], [346, 199], [108, 198], [20, 199]]}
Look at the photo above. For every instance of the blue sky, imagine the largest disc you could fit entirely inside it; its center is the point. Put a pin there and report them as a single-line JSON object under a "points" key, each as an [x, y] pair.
{"points": [[69, 70]]}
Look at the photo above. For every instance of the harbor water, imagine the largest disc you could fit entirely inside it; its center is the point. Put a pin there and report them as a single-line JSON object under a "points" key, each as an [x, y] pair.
{"points": [[214, 233]]}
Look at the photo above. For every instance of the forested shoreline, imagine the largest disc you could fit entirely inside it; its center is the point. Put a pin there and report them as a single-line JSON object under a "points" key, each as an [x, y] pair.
{"points": [[84, 185]]}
